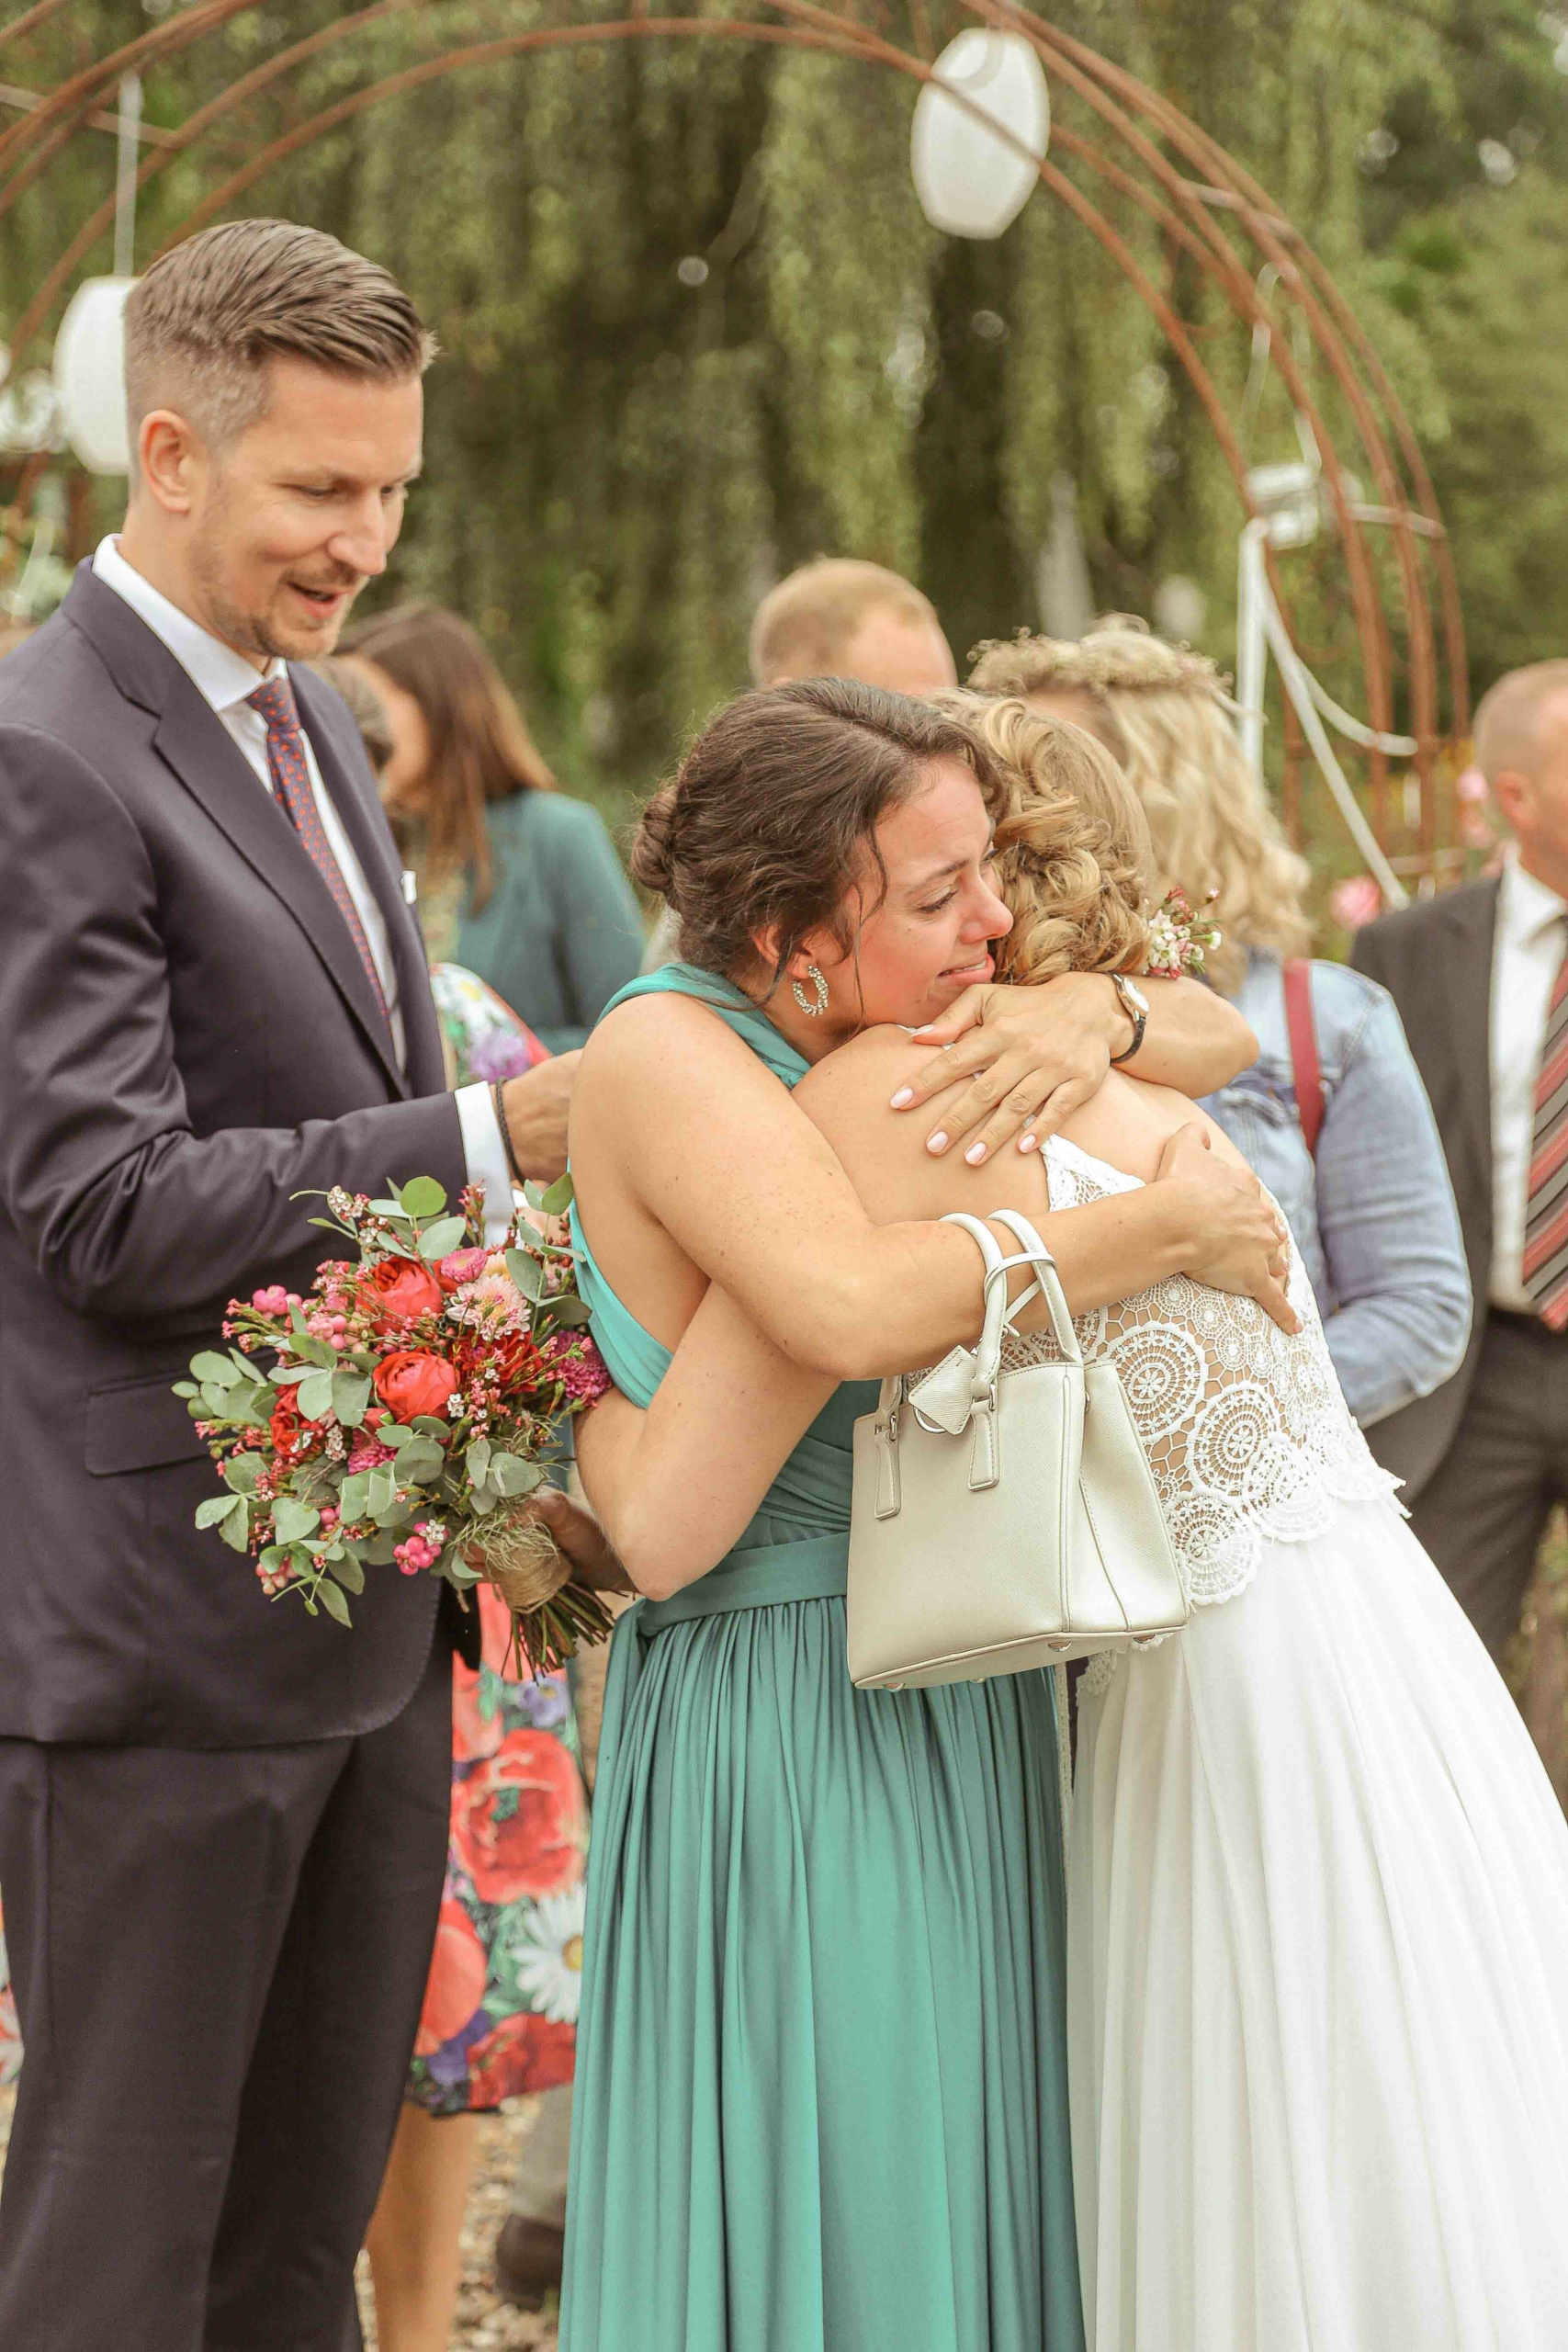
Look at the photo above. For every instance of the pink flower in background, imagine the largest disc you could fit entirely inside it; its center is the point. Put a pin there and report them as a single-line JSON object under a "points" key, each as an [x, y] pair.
{"points": [[461, 1266], [578, 1365], [368, 1454], [1355, 902]]}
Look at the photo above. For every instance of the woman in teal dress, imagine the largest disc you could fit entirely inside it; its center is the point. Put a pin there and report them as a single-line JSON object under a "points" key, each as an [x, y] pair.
{"points": [[821, 2099]]}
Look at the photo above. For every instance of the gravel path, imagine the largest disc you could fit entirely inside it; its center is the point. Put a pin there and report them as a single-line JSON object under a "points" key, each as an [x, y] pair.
{"points": [[484, 2323]]}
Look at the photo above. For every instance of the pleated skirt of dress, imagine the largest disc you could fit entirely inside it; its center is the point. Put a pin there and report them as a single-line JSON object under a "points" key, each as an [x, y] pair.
{"points": [[1318, 2006], [821, 2085]]}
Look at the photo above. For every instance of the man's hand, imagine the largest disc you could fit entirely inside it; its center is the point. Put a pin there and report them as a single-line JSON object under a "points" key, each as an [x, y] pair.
{"points": [[535, 1106], [1035, 1055], [583, 1540], [1242, 1244]]}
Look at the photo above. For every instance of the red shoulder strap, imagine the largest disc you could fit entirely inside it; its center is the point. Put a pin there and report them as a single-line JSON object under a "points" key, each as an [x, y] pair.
{"points": [[1304, 1048]]}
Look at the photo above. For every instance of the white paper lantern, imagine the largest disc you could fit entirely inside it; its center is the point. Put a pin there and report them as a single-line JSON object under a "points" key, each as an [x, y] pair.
{"points": [[89, 374], [971, 182]]}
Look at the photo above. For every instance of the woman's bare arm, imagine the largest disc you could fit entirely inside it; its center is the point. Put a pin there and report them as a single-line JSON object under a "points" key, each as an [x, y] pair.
{"points": [[676, 1486]]}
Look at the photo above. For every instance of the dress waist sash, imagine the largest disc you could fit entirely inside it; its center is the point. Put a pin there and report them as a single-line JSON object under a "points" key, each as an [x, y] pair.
{"points": [[813, 1568]]}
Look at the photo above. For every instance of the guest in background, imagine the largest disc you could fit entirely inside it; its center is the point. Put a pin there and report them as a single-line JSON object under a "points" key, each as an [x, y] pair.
{"points": [[838, 617], [521, 883], [500, 2015], [1333, 1115], [1481, 976], [841, 618]]}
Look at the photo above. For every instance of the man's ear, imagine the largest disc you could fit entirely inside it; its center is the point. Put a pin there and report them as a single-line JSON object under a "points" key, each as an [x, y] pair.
{"points": [[1515, 798], [169, 454]]}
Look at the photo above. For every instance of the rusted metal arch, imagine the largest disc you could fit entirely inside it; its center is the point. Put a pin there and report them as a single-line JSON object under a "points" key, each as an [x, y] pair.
{"points": [[1187, 214]]}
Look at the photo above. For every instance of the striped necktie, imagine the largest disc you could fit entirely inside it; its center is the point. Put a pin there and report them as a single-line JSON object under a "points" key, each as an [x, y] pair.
{"points": [[1545, 1272], [291, 783]]}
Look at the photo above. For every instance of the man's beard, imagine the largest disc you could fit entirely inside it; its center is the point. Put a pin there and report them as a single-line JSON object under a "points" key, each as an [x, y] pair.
{"points": [[260, 634]]}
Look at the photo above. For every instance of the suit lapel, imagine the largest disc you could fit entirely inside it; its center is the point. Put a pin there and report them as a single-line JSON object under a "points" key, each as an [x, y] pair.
{"points": [[194, 744], [1470, 922]]}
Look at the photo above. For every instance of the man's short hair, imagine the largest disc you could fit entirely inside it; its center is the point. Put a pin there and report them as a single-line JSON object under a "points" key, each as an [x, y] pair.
{"points": [[1507, 717], [201, 325], [804, 626]]}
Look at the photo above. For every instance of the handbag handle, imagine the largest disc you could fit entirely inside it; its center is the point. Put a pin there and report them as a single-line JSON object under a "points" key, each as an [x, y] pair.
{"points": [[998, 1314]]}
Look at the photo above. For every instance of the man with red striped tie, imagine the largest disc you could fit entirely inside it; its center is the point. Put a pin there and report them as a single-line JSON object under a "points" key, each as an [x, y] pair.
{"points": [[1480, 978]]}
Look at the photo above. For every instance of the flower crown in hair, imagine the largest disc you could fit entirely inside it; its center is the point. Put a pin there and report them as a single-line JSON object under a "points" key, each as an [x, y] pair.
{"points": [[1180, 940], [1118, 654]]}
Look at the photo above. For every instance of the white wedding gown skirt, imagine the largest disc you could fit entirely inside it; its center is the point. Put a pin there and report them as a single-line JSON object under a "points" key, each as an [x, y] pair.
{"points": [[1318, 1975]]}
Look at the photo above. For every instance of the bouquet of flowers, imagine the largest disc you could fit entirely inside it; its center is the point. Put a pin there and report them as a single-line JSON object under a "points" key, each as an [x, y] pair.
{"points": [[1178, 939], [401, 1415]]}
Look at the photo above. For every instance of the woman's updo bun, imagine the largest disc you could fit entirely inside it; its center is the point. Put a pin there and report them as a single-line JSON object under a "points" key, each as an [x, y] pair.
{"points": [[772, 816]]}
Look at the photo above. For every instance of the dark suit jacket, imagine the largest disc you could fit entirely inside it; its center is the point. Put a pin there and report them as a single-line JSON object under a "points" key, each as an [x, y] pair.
{"points": [[187, 1038], [1435, 959]]}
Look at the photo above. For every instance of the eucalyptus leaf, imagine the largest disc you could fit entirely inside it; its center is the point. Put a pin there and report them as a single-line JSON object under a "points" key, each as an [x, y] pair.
{"points": [[534, 1195], [215, 1401], [377, 1550], [387, 1208], [241, 1472], [525, 1272], [349, 1574], [283, 1374], [423, 1197], [399, 1513], [315, 1394], [235, 1529], [568, 1313], [293, 1520], [481, 1501], [419, 1463], [382, 1490], [477, 1461], [353, 1496], [559, 1196], [512, 1475], [426, 1425], [438, 1239], [394, 1435], [333, 1602], [186, 1389], [351, 1394], [215, 1508], [215, 1368]]}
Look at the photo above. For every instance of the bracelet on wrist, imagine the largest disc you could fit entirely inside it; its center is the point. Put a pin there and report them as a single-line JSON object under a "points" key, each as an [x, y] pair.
{"points": [[496, 1094]]}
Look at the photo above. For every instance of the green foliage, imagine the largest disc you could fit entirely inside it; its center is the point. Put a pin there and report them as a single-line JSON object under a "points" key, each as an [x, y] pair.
{"points": [[696, 329]]}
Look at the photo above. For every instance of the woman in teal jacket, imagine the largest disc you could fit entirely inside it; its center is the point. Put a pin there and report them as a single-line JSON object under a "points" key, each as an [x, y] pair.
{"points": [[519, 882]]}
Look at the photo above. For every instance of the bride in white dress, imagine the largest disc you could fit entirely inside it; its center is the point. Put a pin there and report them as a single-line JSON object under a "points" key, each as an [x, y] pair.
{"points": [[1318, 1881]]}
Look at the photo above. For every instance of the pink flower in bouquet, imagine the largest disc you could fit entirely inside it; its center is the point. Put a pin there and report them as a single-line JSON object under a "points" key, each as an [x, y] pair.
{"points": [[400, 1290], [525, 2053], [411, 1382], [455, 1985], [461, 1266], [272, 1301], [517, 1821], [578, 1365], [368, 1454], [1355, 902]]}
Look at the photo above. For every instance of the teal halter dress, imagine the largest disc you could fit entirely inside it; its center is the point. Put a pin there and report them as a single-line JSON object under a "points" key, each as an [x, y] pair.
{"points": [[821, 2099]]}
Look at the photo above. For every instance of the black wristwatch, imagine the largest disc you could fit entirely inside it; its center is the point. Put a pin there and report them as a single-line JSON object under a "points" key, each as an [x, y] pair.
{"points": [[1136, 1005]]}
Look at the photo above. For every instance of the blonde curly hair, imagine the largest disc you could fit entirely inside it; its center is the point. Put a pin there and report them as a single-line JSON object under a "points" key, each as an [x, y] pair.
{"points": [[1073, 849], [1166, 716]]}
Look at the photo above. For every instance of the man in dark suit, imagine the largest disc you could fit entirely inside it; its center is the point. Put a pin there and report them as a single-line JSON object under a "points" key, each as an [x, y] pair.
{"points": [[223, 1825], [1481, 979]]}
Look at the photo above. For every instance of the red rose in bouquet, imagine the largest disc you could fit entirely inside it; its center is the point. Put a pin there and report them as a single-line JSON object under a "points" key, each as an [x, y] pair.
{"points": [[411, 1381], [292, 1433], [525, 2053], [455, 1985], [400, 1290], [517, 1820]]}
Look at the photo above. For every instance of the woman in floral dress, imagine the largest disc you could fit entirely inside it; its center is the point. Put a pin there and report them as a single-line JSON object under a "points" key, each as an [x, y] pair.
{"points": [[500, 2015]]}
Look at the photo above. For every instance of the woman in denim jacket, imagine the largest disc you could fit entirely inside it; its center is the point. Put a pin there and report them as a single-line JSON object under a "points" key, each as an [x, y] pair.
{"points": [[1372, 1210]]}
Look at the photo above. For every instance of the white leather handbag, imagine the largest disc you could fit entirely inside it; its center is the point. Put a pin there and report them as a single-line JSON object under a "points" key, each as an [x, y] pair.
{"points": [[1004, 1518]]}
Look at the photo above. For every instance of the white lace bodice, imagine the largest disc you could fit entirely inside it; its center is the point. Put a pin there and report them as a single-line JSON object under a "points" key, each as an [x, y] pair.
{"points": [[1246, 1432]]}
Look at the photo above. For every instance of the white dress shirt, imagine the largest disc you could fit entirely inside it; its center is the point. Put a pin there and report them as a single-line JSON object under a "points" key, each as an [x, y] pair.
{"points": [[1527, 956], [224, 678]]}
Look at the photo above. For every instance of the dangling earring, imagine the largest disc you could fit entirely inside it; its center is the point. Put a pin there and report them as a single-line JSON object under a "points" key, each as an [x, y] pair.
{"points": [[820, 985]]}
